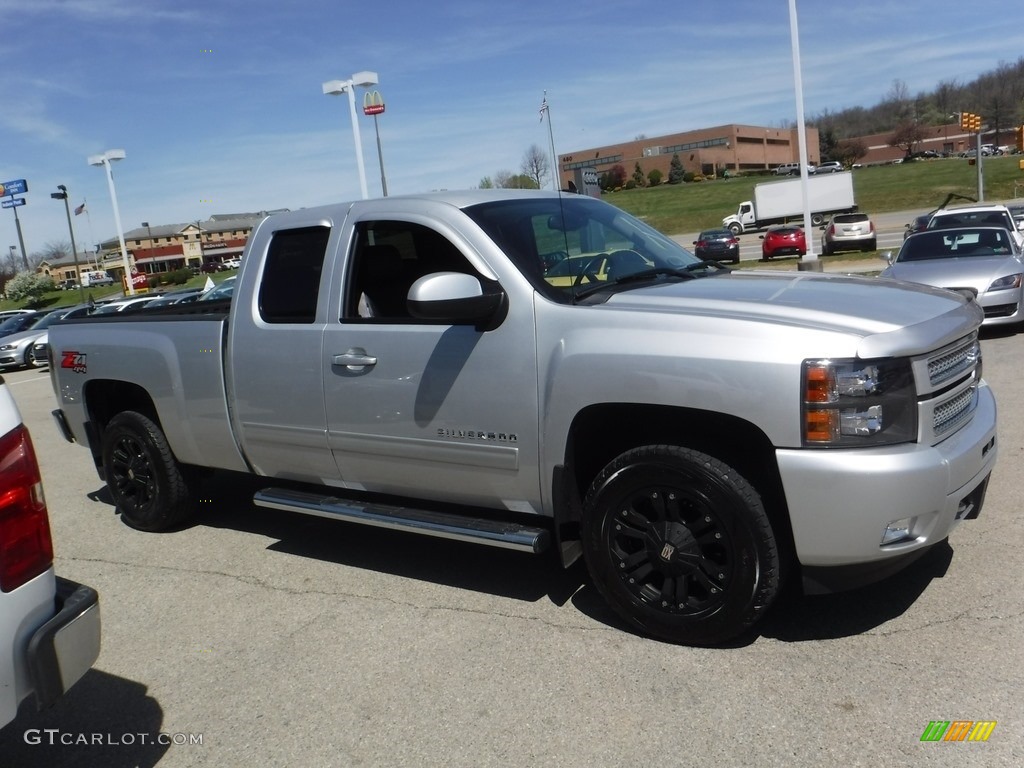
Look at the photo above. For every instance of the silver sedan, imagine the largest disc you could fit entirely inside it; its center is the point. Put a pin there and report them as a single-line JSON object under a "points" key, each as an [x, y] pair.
{"points": [[982, 262]]}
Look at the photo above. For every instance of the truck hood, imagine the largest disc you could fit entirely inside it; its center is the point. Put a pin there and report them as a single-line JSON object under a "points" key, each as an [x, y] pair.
{"points": [[891, 317]]}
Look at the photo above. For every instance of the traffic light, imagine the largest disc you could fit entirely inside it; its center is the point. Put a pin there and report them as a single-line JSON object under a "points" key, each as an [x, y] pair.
{"points": [[1019, 132], [970, 122]]}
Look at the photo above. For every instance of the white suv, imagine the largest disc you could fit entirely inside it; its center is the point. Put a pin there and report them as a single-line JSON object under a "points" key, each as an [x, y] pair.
{"points": [[977, 215], [791, 169], [49, 627]]}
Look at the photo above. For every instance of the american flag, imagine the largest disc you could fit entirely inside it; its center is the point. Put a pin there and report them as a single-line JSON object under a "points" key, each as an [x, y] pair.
{"points": [[543, 108], [80, 209]]}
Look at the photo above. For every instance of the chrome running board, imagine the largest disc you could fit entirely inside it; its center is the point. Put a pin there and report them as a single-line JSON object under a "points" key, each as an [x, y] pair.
{"points": [[443, 525]]}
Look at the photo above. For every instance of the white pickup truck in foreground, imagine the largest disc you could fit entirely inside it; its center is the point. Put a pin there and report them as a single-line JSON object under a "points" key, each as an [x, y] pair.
{"points": [[49, 627], [519, 368]]}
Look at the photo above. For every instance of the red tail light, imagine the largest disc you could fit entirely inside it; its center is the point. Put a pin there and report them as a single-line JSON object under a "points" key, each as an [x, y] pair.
{"points": [[26, 549], [832, 229]]}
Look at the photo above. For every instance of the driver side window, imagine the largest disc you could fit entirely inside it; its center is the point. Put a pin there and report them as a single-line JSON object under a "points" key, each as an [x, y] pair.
{"points": [[388, 257]]}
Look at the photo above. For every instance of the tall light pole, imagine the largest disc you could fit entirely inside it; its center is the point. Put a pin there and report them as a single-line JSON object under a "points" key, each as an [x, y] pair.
{"points": [[105, 160], [62, 194], [338, 87], [809, 260]]}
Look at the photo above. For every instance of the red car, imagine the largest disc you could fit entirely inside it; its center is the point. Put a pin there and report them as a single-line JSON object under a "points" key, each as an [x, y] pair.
{"points": [[783, 241]]}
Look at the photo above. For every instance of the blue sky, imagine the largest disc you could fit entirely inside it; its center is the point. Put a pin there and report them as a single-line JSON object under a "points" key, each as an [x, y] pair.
{"points": [[219, 107]]}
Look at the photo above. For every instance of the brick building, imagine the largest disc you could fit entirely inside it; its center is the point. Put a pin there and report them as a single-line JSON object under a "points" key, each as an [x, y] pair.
{"points": [[707, 151]]}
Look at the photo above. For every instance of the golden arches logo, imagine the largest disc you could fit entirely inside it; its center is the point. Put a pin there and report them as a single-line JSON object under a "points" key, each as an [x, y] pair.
{"points": [[373, 104]]}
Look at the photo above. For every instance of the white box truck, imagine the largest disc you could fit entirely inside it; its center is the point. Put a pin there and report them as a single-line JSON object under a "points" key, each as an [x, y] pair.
{"points": [[776, 202]]}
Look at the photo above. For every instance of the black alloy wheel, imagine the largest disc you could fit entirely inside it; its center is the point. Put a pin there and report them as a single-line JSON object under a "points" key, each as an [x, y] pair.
{"points": [[680, 545], [145, 480]]}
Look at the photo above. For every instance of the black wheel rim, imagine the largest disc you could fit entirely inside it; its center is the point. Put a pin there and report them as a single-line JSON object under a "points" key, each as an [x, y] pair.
{"points": [[672, 551], [131, 474]]}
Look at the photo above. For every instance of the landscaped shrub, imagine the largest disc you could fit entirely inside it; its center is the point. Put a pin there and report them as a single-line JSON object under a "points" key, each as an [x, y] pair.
{"points": [[179, 276]]}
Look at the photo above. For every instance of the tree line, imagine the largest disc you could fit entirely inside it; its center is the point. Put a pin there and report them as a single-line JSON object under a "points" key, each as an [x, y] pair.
{"points": [[998, 96]]}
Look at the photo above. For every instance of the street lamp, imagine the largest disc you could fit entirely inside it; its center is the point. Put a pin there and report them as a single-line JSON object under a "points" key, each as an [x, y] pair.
{"points": [[63, 195], [105, 160], [338, 87]]}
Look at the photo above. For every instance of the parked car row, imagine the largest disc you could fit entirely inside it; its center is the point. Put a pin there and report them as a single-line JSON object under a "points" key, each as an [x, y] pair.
{"points": [[210, 267], [24, 338]]}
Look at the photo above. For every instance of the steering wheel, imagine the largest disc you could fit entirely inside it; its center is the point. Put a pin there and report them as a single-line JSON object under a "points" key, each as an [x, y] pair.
{"points": [[551, 259], [590, 270], [627, 253], [625, 262]]}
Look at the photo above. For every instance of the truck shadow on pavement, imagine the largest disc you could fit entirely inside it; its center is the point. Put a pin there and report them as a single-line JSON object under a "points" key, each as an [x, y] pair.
{"points": [[797, 618], [501, 572], [104, 721], [793, 618]]}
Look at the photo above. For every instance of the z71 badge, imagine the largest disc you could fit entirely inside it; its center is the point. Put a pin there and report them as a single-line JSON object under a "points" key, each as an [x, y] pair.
{"points": [[74, 361]]}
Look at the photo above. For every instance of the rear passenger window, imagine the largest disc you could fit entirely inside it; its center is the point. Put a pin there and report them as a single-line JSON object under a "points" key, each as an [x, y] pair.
{"points": [[291, 275]]}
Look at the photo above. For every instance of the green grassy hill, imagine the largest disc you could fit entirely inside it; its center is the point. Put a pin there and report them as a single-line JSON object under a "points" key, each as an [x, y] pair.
{"points": [[878, 189]]}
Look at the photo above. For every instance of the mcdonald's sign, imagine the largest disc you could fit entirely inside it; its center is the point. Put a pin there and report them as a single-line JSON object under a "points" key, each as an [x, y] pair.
{"points": [[373, 104]]}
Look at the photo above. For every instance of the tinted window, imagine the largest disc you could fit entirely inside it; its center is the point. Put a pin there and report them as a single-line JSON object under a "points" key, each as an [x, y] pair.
{"points": [[389, 257], [573, 243], [291, 275]]}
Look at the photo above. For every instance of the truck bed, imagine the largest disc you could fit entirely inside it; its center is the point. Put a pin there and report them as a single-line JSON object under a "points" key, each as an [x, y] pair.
{"points": [[175, 370]]}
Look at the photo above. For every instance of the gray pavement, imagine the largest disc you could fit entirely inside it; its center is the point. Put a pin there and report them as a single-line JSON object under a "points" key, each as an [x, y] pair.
{"points": [[281, 640]]}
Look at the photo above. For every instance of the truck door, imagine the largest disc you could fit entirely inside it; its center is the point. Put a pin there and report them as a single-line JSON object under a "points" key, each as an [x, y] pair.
{"points": [[417, 408], [276, 347]]}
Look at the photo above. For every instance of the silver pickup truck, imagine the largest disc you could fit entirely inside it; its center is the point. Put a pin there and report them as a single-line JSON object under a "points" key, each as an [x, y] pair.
{"points": [[525, 369]]}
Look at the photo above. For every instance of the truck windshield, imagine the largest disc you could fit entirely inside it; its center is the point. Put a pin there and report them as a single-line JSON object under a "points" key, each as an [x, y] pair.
{"points": [[570, 245]]}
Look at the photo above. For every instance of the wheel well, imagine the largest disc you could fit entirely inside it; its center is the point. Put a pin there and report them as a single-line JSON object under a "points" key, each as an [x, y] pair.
{"points": [[104, 399], [602, 432]]}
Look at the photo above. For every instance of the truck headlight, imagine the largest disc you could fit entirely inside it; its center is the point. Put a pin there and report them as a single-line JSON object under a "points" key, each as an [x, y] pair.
{"points": [[849, 403]]}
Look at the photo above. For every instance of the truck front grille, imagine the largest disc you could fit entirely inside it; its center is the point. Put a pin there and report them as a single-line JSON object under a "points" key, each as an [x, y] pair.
{"points": [[950, 413], [953, 362]]}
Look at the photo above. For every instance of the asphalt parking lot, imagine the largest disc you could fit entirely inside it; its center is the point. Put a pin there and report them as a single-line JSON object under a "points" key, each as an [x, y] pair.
{"points": [[257, 637]]}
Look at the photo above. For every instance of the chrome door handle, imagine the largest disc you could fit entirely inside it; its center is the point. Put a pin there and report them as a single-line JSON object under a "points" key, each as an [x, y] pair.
{"points": [[354, 358]]}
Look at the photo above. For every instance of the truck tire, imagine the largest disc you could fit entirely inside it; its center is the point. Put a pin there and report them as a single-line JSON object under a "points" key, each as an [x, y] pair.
{"points": [[145, 479], [817, 219], [679, 545], [736, 229]]}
